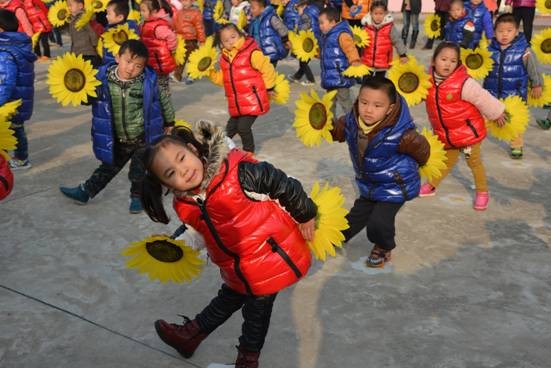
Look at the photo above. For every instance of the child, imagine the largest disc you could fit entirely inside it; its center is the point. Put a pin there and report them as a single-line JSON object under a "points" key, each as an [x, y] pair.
{"points": [[460, 26], [482, 20], [84, 41], [247, 75], [353, 11], [208, 17], [514, 65], [37, 13], [129, 112], [269, 31], [379, 25], [309, 15], [116, 14], [254, 219], [524, 10], [238, 7], [337, 52], [410, 13], [456, 107], [386, 153], [17, 7], [291, 18], [188, 23], [16, 81], [441, 9]]}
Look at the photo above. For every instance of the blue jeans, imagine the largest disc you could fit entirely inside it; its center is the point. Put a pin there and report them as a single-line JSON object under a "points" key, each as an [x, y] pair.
{"points": [[21, 151], [414, 18]]}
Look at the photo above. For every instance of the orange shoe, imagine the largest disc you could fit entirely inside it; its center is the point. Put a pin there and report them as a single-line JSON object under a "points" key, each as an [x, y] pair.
{"points": [[43, 59]]}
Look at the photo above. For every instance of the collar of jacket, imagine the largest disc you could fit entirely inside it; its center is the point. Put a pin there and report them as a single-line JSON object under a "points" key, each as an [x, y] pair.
{"points": [[112, 76], [230, 54], [387, 121]]}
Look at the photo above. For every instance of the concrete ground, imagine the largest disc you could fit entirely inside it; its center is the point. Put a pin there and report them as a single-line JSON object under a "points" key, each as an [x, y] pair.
{"points": [[465, 289]]}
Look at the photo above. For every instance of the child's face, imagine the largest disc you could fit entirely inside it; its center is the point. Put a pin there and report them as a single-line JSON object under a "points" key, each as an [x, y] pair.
{"points": [[325, 24], [112, 17], [300, 9], [446, 62], [456, 10], [378, 14], [476, 2], [130, 66], [373, 105], [506, 33], [74, 7], [228, 38], [186, 4], [144, 11], [178, 167], [256, 9]]}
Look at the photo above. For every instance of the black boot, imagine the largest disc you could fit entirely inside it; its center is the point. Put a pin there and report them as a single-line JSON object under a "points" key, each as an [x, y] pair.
{"points": [[428, 45], [414, 35], [405, 32]]}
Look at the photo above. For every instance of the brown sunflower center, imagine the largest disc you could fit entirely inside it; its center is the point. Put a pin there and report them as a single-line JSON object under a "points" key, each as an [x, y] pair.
{"points": [[74, 80], [474, 61], [408, 82], [62, 14], [308, 45], [97, 5], [434, 25], [547, 4], [317, 116], [120, 37], [204, 63], [546, 46], [164, 251]]}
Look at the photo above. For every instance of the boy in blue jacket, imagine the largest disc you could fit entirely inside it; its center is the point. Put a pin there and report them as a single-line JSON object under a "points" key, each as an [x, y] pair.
{"points": [[482, 20], [117, 13], [460, 28], [128, 113], [17, 82], [269, 31]]}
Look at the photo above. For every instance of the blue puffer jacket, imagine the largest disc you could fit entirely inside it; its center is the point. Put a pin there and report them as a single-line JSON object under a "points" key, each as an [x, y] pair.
{"points": [[453, 30], [108, 57], [314, 13], [336, 4], [290, 15], [208, 9], [482, 21], [267, 37], [333, 61], [102, 126], [384, 174], [17, 73], [509, 76]]}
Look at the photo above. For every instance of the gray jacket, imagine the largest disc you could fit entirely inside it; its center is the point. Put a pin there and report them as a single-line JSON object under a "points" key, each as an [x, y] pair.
{"points": [[83, 41]]}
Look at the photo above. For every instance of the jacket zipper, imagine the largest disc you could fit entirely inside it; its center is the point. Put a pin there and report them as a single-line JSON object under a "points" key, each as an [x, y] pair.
{"points": [[375, 46], [440, 118], [258, 98], [233, 86], [123, 95], [400, 182], [472, 128], [277, 249], [500, 73]]}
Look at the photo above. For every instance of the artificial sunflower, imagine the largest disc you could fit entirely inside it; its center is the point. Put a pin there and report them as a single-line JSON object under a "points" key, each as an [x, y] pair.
{"points": [[432, 169], [72, 79], [8, 109], [35, 38], [410, 79], [545, 97], [357, 71], [164, 259], [182, 123], [96, 6], [304, 45], [478, 62], [47, 1], [202, 60], [282, 90], [518, 116], [330, 221], [541, 43], [201, 5], [115, 37], [180, 54], [242, 21], [59, 13], [314, 118], [432, 26], [84, 19], [280, 9], [543, 6], [218, 13], [135, 15], [361, 38], [7, 139]]}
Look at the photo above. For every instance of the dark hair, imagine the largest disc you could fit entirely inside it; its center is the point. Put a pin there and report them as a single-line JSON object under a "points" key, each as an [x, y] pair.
{"points": [[332, 14], [506, 18], [152, 187], [156, 5], [136, 48], [378, 4], [217, 35], [447, 45], [120, 7], [8, 21], [79, 1], [262, 3], [381, 84]]}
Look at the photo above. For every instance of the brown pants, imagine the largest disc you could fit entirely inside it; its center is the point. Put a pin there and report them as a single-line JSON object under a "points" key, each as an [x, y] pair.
{"points": [[191, 45]]}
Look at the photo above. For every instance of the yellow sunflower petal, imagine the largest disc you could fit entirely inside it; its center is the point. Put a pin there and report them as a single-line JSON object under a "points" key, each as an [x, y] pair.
{"points": [[518, 117], [545, 98], [313, 118], [218, 13], [35, 38], [410, 79], [84, 19], [7, 139], [242, 21], [479, 62], [543, 6], [8, 109], [182, 123], [180, 54], [135, 15], [541, 44], [281, 90], [357, 71], [115, 37], [432, 169], [280, 9], [202, 60], [96, 6], [59, 13], [432, 26], [361, 38], [304, 45]]}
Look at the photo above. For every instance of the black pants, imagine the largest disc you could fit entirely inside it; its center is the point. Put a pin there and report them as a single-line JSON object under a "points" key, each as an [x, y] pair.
{"points": [[304, 69], [242, 125], [43, 41], [525, 14], [55, 36], [106, 172], [257, 311], [377, 217], [94, 59]]}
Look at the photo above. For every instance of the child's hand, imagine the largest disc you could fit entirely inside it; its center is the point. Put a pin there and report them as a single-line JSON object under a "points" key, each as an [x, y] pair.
{"points": [[501, 120], [403, 59], [536, 92], [307, 229], [356, 63]]}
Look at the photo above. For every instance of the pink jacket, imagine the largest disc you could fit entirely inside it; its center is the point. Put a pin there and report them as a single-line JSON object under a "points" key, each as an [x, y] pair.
{"points": [[164, 32], [521, 3], [489, 106]]}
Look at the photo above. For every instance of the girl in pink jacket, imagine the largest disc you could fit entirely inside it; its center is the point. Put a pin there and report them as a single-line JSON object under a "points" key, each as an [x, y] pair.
{"points": [[524, 10]]}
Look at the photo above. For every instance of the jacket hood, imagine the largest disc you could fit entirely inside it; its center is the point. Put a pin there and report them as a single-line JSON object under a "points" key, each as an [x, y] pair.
{"points": [[18, 42]]}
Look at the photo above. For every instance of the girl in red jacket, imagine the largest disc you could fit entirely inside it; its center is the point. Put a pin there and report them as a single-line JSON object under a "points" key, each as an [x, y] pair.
{"points": [[159, 38], [254, 220], [37, 12], [456, 104]]}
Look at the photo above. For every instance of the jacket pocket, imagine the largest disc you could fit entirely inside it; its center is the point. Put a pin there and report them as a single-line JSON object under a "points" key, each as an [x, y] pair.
{"points": [[400, 181], [472, 128], [255, 91], [277, 249]]}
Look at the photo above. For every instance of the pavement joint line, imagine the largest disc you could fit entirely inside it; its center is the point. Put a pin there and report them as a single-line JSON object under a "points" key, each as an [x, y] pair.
{"points": [[13, 199], [120, 334]]}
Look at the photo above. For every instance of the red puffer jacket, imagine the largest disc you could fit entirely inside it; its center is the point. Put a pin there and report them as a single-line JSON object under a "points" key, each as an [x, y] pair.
{"points": [[256, 243], [12, 6], [378, 53], [6, 178], [457, 123], [160, 56], [37, 13], [244, 86]]}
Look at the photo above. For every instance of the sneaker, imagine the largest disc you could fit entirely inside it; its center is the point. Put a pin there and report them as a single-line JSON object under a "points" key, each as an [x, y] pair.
{"points": [[78, 194], [307, 83], [481, 201], [378, 257], [427, 190], [16, 164], [135, 205], [545, 124], [188, 81], [516, 153], [292, 78]]}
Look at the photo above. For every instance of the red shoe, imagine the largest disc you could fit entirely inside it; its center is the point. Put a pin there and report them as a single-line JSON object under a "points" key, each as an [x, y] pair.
{"points": [[246, 359], [427, 190], [184, 338], [481, 201]]}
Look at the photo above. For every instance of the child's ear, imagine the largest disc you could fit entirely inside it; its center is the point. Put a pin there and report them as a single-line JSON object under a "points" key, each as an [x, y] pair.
{"points": [[390, 108]]}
